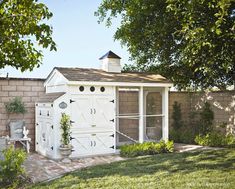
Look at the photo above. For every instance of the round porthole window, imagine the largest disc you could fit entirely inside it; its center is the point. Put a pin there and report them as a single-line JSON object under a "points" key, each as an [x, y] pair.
{"points": [[92, 89], [102, 89], [81, 88]]}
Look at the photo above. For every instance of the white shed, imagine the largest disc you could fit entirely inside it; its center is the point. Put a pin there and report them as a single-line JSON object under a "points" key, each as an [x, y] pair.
{"points": [[91, 98]]}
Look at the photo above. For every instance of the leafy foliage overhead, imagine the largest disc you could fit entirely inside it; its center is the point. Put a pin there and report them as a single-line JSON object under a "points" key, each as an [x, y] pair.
{"points": [[190, 42], [22, 30]]}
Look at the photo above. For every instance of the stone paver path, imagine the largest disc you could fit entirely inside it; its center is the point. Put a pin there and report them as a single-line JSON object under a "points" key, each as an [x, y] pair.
{"points": [[40, 168], [191, 147]]}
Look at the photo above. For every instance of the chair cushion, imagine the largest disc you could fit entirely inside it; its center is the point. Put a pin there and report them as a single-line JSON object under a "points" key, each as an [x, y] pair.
{"points": [[16, 129]]}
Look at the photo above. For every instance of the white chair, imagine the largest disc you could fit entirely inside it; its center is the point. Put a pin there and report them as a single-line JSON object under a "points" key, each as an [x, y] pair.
{"points": [[18, 133]]}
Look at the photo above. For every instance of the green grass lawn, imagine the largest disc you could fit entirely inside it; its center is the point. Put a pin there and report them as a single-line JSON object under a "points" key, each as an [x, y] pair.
{"points": [[207, 169]]}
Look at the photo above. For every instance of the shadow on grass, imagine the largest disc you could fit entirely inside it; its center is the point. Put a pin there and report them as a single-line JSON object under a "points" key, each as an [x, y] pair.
{"points": [[181, 163]]}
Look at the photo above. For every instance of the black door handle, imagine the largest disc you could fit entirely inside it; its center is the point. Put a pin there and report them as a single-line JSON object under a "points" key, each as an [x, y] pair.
{"points": [[91, 111], [91, 143], [94, 143], [94, 111]]}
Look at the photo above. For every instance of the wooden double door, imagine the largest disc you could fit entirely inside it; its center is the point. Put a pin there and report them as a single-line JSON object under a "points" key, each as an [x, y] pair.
{"points": [[93, 124]]}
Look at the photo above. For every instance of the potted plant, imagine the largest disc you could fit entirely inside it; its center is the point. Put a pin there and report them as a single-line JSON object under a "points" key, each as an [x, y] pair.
{"points": [[65, 147]]}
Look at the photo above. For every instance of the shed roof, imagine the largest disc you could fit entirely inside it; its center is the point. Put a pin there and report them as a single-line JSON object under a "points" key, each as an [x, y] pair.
{"points": [[50, 97], [98, 75]]}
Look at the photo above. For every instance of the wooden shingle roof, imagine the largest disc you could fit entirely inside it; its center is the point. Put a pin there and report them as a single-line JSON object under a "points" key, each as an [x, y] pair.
{"points": [[50, 97], [98, 75]]}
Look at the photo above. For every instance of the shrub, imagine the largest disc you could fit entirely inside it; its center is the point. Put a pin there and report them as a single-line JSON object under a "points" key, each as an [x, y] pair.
{"points": [[181, 132], [230, 140], [187, 136], [210, 139], [206, 119], [11, 166], [146, 148], [169, 146], [177, 125], [193, 123], [183, 135], [216, 139], [175, 135], [177, 116], [15, 106]]}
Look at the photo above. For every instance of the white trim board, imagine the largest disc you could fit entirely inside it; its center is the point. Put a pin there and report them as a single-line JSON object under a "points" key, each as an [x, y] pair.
{"points": [[126, 84]]}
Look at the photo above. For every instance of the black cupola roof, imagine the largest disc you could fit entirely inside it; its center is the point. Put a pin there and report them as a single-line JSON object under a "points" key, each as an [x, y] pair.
{"points": [[110, 54]]}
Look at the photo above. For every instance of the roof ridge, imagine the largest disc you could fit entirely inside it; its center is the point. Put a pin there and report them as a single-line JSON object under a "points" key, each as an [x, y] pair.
{"points": [[77, 68], [136, 72], [92, 74]]}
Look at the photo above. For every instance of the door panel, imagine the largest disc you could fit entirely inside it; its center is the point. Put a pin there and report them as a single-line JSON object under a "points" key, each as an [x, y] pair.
{"points": [[94, 123], [39, 137], [44, 136], [50, 137], [81, 112], [104, 143], [104, 112], [81, 145], [92, 144]]}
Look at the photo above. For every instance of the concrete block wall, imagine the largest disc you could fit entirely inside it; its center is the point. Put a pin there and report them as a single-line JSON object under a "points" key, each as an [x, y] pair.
{"points": [[184, 100], [223, 105], [153, 124], [128, 104], [30, 90]]}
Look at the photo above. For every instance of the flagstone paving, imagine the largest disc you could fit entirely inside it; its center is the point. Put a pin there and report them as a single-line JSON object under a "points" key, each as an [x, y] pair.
{"points": [[40, 168], [179, 147]]}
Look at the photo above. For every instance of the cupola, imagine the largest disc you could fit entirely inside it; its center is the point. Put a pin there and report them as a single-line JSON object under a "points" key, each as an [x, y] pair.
{"points": [[110, 62]]}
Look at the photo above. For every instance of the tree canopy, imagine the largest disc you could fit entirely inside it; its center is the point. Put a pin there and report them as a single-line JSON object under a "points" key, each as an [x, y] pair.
{"points": [[190, 42], [23, 33]]}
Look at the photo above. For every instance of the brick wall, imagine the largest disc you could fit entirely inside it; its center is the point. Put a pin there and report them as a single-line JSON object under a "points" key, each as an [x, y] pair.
{"points": [[30, 90]]}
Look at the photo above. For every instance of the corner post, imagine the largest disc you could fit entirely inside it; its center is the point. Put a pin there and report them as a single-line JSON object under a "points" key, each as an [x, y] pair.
{"points": [[116, 114], [141, 115], [165, 118]]}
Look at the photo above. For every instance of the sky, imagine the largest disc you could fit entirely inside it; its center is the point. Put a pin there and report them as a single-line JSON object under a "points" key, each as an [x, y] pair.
{"points": [[80, 40]]}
